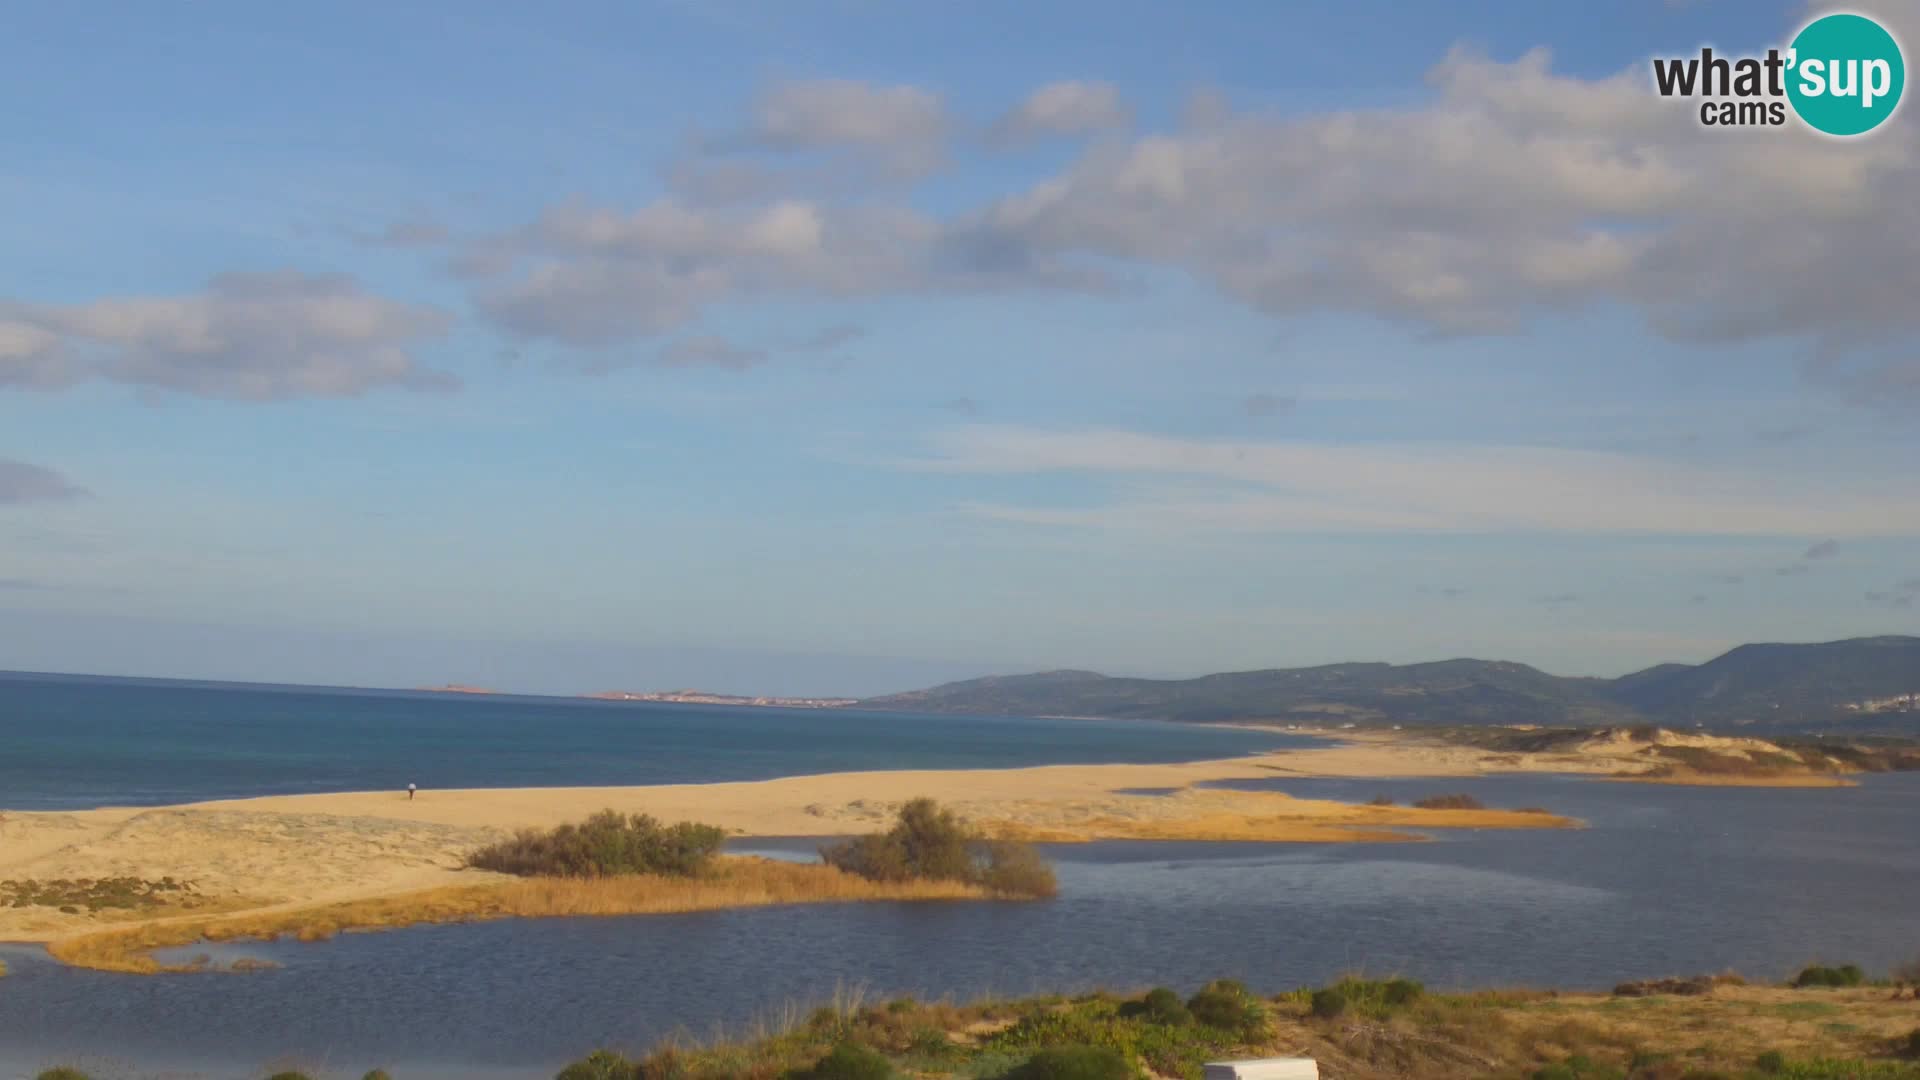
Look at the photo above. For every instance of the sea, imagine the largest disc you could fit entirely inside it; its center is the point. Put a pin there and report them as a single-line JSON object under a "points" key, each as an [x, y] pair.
{"points": [[1662, 881]]}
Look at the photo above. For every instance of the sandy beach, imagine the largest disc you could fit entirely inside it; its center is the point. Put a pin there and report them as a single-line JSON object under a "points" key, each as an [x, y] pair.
{"points": [[290, 853], [280, 853]]}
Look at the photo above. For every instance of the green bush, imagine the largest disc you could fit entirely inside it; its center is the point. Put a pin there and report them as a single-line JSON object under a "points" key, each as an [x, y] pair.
{"points": [[929, 842], [1074, 1063], [63, 1073], [601, 1065], [1913, 1043], [1771, 1062], [606, 844], [848, 1061], [290, 1075], [1329, 1002], [1228, 1006], [1844, 975], [1160, 1006], [376, 1074]]}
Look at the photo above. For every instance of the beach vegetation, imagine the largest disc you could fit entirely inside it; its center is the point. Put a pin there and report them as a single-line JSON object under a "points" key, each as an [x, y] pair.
{"points": [[929, 842], [1229, 1006], [1074, 1063], [601, 1065], [731, 882], [1449, 802], [605, 845], [74, 895], [62, 1073], [1820, 976], [1161, 1005], [847, 1061]]}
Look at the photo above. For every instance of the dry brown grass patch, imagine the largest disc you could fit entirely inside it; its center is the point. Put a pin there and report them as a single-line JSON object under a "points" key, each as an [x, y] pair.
{"points": [[736, 882]]}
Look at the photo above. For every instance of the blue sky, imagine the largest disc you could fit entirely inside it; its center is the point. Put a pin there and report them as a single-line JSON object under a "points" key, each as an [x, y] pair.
{"points": [[845, 347]]}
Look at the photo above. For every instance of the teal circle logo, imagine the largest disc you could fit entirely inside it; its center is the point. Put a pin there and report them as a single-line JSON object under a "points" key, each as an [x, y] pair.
{"points": [[1846, 74]]}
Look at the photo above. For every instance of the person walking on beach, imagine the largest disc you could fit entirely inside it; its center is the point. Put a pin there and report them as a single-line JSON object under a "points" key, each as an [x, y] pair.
{"points": [[410, 790]]}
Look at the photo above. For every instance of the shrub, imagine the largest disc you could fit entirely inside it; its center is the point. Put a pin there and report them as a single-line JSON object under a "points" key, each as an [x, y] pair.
{"points": [[1016, 869], [1398, 992], [1449, 802], [1771, 1062], [1844, 975], [290, 1075], [1369, 997], [1160, 1006], [376, 1074], [63, 1073], [1074, 1063], [601, 1065], [930, 842], [1380, 800], [1226, 1005], [1913, 1043], [930, 1042], [606, 844], [848, 1061]]}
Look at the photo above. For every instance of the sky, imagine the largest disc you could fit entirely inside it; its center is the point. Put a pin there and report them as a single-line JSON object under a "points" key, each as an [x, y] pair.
{"points": [[846, 347]]}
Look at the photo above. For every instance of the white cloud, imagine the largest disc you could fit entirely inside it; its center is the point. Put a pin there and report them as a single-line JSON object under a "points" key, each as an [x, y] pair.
{"points": [[902, 129], [245, 336], [30, 356], [1166, 484], [1511, 192], [1066, 109]]}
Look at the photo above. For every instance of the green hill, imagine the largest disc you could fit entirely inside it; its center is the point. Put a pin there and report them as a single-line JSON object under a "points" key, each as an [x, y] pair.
{"points": [[1446, 692], [1771, 686]]}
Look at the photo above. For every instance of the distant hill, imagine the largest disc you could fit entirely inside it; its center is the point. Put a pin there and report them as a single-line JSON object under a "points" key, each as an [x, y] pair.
{"points": [[1843, 683], [1837, 682], [1448, 692]]}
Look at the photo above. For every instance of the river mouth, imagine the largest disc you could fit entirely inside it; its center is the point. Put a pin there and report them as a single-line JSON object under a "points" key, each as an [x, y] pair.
{"points": [[1663, 881]]}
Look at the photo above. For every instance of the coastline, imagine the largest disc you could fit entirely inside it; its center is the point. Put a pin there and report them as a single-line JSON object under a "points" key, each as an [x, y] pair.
{"points": [[288, 864], [276, 854]]}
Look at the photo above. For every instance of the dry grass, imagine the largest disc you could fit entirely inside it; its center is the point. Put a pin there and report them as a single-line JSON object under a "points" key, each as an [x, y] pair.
{"points": [[1486, 1035], [1693, 778], [1363, 824], [736, 883]]}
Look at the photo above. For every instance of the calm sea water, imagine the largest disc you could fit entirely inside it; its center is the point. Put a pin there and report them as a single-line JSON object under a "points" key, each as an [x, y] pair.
{"points": [[1664, 881], [67, 743]]}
